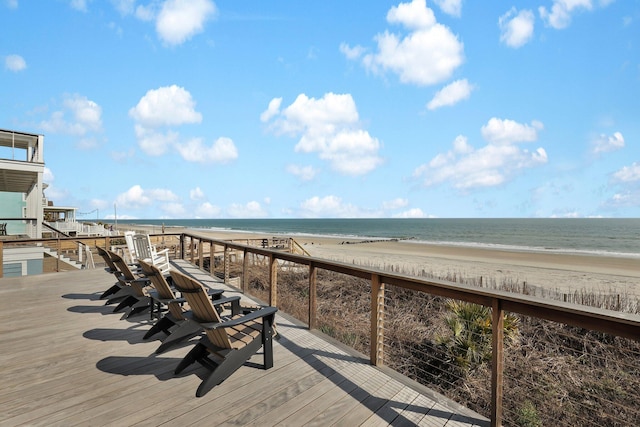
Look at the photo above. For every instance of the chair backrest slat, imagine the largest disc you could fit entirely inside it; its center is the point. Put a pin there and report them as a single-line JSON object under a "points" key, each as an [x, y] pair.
{"points": [[162, 287], [201, 306]]}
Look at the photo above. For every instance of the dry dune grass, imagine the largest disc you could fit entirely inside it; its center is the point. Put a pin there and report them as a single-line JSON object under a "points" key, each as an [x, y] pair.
{"points": [[554, 374]]}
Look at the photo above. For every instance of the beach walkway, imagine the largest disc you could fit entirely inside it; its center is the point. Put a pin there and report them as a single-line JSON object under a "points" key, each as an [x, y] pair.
{"points": [[65, 359]]}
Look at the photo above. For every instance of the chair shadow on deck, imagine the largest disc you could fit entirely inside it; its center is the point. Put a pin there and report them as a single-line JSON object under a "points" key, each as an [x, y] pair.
{"points": [[132, 336], [90, 297], [160, 367]]}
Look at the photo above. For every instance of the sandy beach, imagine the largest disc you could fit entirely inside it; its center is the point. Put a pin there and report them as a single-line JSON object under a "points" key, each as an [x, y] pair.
{"points": [[564, 273]]}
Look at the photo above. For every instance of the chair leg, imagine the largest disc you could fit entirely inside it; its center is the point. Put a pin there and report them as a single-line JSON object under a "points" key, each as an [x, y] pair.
{"points": [[112, 290], [127, 302], [196, 353], [183, 332], [229, 365], [267, 341], [161, 325], [139, 307]]}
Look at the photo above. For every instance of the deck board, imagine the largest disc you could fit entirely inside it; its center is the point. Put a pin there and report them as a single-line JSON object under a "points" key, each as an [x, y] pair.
{"points": [[66, 360]]}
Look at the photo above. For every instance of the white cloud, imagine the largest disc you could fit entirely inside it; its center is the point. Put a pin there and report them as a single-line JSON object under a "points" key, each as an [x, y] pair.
{"points": [[395, 204], [605, 144], [48, 176], [80, 5], [505, 132], [414, 15], [12, 4], [330, 127], [252, 209], [222, 150], [411, 213], [559, 16], [125, 7], [450, 7], [327, 207], [428, 55], [86, 118], [196, 194], [516, 27], [136, 197], [628, 173], [272, 110], [155, 143], [352, 52], [162, 195], [179, 20], [305, 173], [207, 210], [133, 198], [146, 13], [165, 106], [451, 94], [14, 63], [465, 167]]}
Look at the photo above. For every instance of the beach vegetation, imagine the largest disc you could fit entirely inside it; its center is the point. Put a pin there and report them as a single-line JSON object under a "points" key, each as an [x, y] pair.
{"points": [[467, 339], [554, 374]]}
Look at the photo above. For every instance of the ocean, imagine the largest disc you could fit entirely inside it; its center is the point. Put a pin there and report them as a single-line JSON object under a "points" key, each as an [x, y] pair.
{"points": [[597, 236]]}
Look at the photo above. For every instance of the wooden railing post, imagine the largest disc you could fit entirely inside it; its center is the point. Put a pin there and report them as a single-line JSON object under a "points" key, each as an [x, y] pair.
{"points": [[273, 281], [200, 254], [313, 308], [377, 321], [212, 259], [227, 264], [497, 362], [192, 249], [245, 268]]}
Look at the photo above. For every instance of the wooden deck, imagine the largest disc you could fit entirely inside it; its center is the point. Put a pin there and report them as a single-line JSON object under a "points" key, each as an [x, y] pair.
{"points": [[66, 360]]}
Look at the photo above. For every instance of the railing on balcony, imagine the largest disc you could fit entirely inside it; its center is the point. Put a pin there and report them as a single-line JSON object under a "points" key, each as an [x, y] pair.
{"points": [[570, 365]]}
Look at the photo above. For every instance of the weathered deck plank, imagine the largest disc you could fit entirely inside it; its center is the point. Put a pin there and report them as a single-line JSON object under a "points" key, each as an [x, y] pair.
{"points": [[66, 359]]}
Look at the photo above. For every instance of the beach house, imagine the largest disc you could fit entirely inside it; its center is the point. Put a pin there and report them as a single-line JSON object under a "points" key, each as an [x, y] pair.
{"points": [[25, 212]]}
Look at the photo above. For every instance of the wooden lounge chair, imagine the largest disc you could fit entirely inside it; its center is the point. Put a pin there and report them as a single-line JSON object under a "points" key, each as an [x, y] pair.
{"points": [[173, 323], [145, 251], [120, 289], [138, 300], [131, 249], [112, 269], [229, 341]]}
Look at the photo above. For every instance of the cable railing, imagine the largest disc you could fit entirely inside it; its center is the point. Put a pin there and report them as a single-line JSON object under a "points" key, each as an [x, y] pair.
{"points": [[517, 359], [490, 350]]}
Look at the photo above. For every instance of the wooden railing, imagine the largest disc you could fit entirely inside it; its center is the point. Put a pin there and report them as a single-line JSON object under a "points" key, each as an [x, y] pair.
{"points": [[610, 322], [192, 248]]}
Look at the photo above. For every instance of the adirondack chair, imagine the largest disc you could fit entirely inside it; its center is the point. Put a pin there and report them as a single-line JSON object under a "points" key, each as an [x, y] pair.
{"points": [[138, 300], [118, 291], [173, 323], [145, 251], [112, 269], [228, 341], [128, 238]]}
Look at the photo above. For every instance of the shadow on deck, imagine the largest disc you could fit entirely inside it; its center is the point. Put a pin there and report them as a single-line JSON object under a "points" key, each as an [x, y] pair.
{"points": [[66, 359]]}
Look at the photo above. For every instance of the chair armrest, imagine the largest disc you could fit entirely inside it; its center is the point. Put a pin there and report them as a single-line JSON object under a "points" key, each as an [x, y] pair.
{"points": [[225, 300], [153, 294], [258, 314]]}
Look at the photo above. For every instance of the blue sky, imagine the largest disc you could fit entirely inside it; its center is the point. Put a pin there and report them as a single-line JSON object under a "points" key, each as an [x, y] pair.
{"points": [[245, 109]]}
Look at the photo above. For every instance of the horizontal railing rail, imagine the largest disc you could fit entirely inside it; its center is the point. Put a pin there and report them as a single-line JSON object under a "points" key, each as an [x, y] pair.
{"points": [[192, 247], [590, 318]]}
